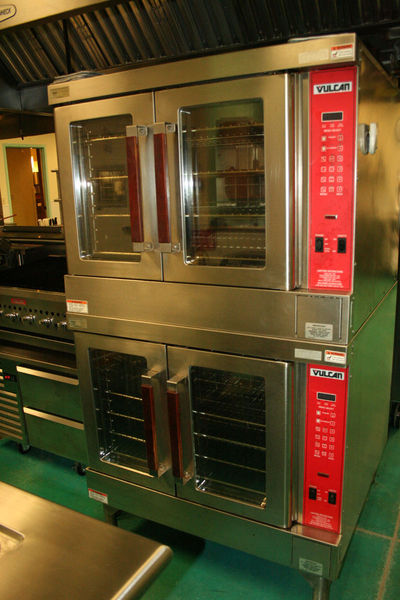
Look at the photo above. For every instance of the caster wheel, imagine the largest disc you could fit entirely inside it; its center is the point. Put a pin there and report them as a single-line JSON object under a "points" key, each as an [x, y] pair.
{"points": [[23, 448], [80, 469], [396, 416]]}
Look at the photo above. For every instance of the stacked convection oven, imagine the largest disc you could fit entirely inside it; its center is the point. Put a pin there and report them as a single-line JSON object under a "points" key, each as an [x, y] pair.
{"points": [[232, 233]]}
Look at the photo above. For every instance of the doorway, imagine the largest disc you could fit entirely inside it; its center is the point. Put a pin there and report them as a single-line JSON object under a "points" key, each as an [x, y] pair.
{"points": [[24, 167]]}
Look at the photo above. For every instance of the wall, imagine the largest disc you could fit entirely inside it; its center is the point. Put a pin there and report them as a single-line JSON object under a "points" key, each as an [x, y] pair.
{"points": [[47, 141]]}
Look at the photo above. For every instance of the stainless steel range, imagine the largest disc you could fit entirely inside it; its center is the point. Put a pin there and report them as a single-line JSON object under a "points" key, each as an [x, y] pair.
{"points": [[232, 237], [39, 392]]}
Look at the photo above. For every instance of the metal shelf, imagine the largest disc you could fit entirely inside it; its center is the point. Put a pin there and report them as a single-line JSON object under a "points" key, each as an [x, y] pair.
{"points": [[230, 173]]}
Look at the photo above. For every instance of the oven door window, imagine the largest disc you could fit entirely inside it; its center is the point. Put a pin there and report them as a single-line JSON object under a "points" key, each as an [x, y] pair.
{"points": [[228, 420], [116, 380], [101, 191], [223, 184]]}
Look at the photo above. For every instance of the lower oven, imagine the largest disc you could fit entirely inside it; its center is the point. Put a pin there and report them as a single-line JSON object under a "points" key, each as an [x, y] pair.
{"points": [[250, 436], [211, 428]]}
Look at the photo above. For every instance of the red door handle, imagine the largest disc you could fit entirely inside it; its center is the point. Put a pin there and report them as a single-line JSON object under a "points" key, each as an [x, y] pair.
{"points": [[175, 433], [162, 201], [150, 426], [134, 185]]}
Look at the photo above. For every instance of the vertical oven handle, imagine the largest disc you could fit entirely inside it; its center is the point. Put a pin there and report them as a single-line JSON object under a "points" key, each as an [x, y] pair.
{"points": [[148, 381], [175, 429], [162, 132], [135, 188]]}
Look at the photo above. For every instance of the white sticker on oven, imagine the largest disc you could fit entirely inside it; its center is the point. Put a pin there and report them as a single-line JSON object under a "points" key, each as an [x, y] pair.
{"points": [[314, 56], [99, 496], [311, 566], [77, 322], [333, 356], [59, 92], [77, 306], [343, 51], [319, 331], [305, 354]]}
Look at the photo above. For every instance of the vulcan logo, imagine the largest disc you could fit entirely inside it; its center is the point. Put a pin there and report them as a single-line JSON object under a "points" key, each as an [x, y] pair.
{"points": [[333, 88], [328, 374], [7, 11]]}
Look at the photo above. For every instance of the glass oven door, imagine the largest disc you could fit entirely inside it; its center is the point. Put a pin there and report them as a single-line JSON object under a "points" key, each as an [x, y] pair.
{"points": [[231, 201], [107, 193], [230, 426], [123, 386]]}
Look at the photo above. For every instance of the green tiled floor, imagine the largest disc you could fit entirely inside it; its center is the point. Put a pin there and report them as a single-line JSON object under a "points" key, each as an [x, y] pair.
{"points": [[207, 571]]}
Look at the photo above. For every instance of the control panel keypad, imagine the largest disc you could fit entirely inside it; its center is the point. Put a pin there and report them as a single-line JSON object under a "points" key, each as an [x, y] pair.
{"points": [[332, 134], [324, 451]]}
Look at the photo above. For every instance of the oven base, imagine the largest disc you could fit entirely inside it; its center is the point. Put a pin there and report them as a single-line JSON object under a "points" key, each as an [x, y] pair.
{"points": [[288, 547]]}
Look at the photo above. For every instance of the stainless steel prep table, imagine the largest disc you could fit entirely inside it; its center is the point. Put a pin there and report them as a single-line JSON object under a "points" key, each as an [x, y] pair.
{"points": [[48, 551]]}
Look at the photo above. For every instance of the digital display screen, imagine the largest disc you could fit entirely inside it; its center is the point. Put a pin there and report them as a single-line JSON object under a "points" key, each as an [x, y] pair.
{"points": [[323, 396], [332, 116]]}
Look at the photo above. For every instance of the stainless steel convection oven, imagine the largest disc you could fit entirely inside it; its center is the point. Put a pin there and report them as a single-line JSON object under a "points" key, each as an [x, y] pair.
{"points": [[232, 235]]}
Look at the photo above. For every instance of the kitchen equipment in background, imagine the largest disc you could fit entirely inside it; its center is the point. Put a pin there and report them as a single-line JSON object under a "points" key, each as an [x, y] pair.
{"points": [[40, 402]]}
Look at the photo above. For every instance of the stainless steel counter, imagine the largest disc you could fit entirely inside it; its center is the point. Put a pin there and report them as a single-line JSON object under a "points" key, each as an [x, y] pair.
{"points": [[48, 551]]}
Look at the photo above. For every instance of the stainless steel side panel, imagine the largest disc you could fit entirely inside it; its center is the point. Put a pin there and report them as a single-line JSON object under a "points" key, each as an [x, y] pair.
{"points": [[298, 55], [377, 193], [245, 321], [276, 93], [368, 408]]}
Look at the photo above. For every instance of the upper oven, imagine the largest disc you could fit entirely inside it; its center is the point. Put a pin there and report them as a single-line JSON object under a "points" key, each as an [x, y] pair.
{"points": [[190, 184]]}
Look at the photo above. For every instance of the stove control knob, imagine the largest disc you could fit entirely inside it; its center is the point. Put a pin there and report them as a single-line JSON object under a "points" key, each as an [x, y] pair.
{"points": [[47, 322], [30, 319], [62, 325], [12, 316]]}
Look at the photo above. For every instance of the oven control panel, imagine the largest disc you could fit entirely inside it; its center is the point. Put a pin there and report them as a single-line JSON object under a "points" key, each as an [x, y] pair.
{"points": [[331, 203], [324, 446], [43, 316]]}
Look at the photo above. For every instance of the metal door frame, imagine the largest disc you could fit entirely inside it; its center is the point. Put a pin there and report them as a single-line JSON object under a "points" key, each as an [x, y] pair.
{"points": [[276, 91], [156, 363], [278, 377], [140, 107]]}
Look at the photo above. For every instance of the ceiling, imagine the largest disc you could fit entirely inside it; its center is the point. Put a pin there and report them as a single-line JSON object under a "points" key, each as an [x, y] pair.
{"points": [[114, 35]]}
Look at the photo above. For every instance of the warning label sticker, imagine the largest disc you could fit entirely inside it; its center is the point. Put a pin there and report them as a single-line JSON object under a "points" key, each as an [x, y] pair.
{"points": [[343, 51], [99, 496], [320, 520], [335, 357], [329, 278], [77, 306]]}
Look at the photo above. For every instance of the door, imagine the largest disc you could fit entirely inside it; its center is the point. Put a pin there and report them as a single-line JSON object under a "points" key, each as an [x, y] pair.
{"points": [[231, 205], [22, 190], [230, 424], [123, 385], [106, 187]]}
